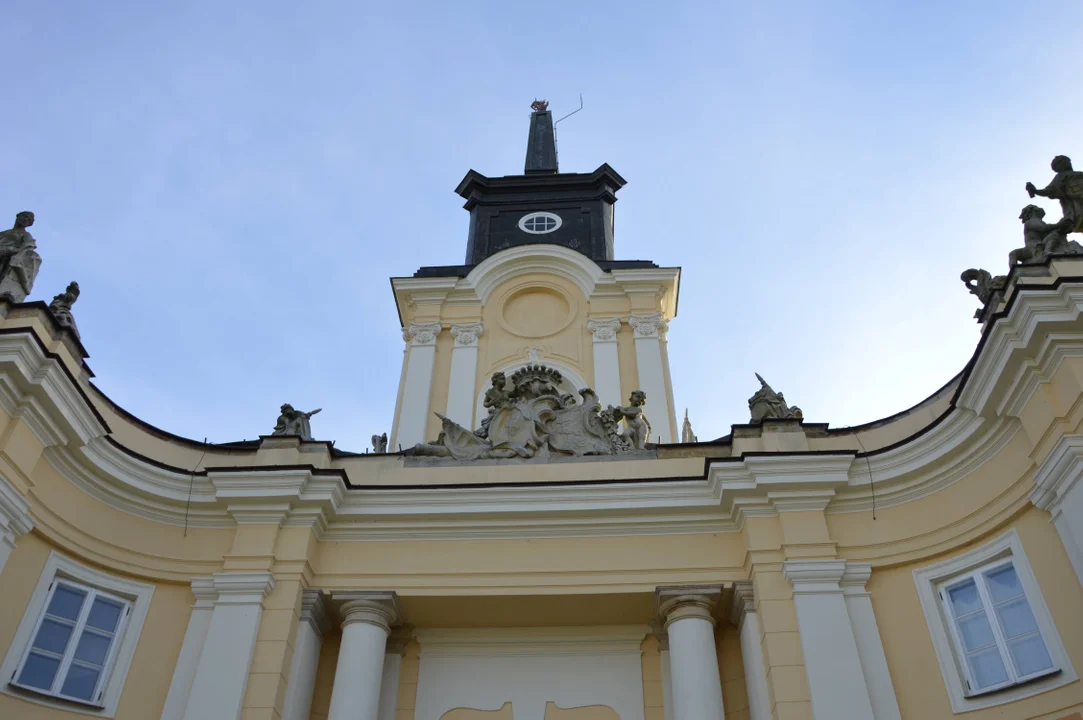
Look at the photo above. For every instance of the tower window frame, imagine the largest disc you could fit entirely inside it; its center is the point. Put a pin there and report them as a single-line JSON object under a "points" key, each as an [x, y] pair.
{"points": [[540, 222]]}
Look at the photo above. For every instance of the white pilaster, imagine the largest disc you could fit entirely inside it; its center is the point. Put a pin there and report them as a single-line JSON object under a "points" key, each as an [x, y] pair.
{"points": [[222, 673], [693, 659], [464, 367], [832, 662], [15, 519], [184, 672], [412, 415], [366, 624], [744, 616], [306, 656], [1057, 489], [870, 648], [652, 377], [606, 360]]}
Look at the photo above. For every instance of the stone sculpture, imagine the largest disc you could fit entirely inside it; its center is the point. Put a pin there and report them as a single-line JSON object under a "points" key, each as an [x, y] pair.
{"points": [[1041, 239], [981, 283], [379, 444], [767, 404], [1067, 187], [19, 259], [528, 417], [61, 307], [294, 422], [687, 436]]}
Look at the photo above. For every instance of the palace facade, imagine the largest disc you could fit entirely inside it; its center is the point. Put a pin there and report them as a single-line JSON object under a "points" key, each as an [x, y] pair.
{"points": [[537, 542]]}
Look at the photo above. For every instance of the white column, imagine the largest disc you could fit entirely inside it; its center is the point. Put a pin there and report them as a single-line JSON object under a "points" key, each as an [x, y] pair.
{"points": [[218, 687], [606, 361], [412, 415], [306, 656], [461, 392], [366, 623], [1058, 490], [652, 377], [693, 659], [184, 672], [870, 648], [15, 519], [747, 620], [836, 681]]}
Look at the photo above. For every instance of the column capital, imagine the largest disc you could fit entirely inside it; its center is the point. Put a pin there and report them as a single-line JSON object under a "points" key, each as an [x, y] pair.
{"points": [[467, 335], [604, 330], [421, 333], [743, 601], [1058, 473], [314, 610], [205, 592], [679, 602], [854, 578], [14, 511], [812, 577], [374, 608], [648, 326], [242, 588]]}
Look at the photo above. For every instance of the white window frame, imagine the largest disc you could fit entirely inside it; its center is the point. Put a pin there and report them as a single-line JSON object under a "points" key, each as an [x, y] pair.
{"points": [[551, 216], [115, 670], [932, 579]]}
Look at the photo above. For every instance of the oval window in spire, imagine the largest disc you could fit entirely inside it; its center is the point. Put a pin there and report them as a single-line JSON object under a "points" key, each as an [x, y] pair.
{"points": [[539, 223]]}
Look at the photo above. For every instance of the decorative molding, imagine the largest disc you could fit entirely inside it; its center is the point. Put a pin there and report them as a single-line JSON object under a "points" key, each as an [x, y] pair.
{"points": [[743, 601], [419, 334], [648, 326], [204, 591], [763, 486], [814, 577], [15, 516], [1058, 474], [373, 608], [604, 331], [854, 578], [314, 610], [680, 602], [467, 335], [242, 588]]}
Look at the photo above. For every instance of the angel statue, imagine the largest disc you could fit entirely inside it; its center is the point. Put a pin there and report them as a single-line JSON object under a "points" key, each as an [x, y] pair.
{"points": [[294, 422], [19, 259], [767, 404], [379, 444], [1067, 187], [637, 431]]}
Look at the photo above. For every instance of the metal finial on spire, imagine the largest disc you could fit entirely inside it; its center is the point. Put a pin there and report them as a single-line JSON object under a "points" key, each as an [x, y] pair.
{"points": [[539, 105]]}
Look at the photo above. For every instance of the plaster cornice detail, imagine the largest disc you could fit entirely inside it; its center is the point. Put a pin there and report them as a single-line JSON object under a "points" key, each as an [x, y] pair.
{"points": [[467, 335], [1058, 474], [604, 330], [814, 577], [315, 611], [15, 516], [528, 259], [242, 588], [855, 577], [204, 592], [763, 486], [419, 334], [648, 326], [744, 601]]}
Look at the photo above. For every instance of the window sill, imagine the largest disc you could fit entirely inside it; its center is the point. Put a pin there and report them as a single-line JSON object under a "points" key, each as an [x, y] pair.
{"points": [[37, 697], [1015, 686]]}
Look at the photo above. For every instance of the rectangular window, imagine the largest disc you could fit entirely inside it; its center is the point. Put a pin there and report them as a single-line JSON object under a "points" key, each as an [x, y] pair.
{"points": [[74, 643], [996, 636]]}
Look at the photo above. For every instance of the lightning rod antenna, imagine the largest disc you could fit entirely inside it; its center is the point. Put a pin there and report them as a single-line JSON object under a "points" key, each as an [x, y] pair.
{"points": [[573, 112]]}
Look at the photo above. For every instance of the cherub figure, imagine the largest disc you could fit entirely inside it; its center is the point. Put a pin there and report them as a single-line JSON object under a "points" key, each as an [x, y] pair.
{"points": [[1067, 187], [1040, 238], [637, 430], [496, 397]]}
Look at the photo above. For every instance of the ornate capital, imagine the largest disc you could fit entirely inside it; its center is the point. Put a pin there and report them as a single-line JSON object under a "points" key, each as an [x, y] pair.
{"points": [[604, 330], [467, 335], [314, 610], [373, 608], [421, 333], [681, 602], [648, 326]]}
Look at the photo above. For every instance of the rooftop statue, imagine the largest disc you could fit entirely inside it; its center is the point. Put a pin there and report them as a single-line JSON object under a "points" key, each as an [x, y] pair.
{"points": [[767, 404], [539, 105], [981, 283], [61, 307], [687, 436], [530, 417], [1067, 187], [294, 422], [379, 444], [1041, 239], [19, 259]]}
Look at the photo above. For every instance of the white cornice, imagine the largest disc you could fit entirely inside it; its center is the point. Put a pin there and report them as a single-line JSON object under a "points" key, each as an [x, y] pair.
{"points": [[1058, 473], [763, 486], [14, 511]]}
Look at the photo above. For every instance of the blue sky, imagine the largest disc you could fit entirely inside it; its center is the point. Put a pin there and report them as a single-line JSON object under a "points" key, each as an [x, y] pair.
{"points": [[214, 172]]}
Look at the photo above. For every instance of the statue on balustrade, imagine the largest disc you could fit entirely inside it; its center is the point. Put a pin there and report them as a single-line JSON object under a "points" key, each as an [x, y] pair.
{"points": [[19, 259], [60, 307], [1067, 187], [294, 422], [767, 404]]}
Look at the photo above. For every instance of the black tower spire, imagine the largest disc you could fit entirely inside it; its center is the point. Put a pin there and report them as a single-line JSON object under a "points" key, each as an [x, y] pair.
{"points": [[541, 146]]}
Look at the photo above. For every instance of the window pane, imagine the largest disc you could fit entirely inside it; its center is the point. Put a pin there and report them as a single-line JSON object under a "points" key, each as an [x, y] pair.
{"points": [[1029, 654], [53, 636], [964, 598], [80, 682], [104, 615], [66, 602], [39, 671], [976, 631], [1004, 584], [987, 668], [1016, 617], [92, 648]]}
